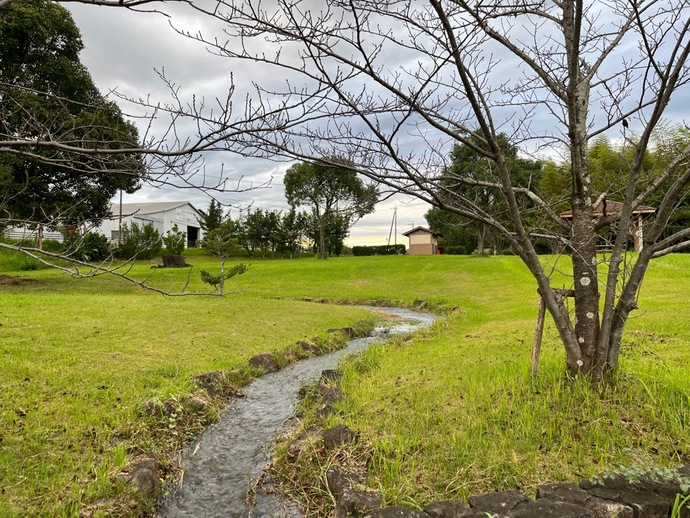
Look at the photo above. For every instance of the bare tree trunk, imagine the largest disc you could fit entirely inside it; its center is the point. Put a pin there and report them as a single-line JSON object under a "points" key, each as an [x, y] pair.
{"points": [[322, 238], [481, 234], [586, 286], [626, 303]]}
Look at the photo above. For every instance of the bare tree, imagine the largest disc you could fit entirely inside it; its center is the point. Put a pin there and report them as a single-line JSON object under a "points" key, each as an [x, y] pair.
{"points": [[393, 84]]}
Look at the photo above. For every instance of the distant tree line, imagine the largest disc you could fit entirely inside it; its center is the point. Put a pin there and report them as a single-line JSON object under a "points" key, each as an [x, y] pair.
{"points": [[334, 197], [549, 179], [261, 233]]}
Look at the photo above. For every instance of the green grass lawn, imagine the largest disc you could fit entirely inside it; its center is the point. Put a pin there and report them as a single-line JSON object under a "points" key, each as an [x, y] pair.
{"points": [[447, 414]]}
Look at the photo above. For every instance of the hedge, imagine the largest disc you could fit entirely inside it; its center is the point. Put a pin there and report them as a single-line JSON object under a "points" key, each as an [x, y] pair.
{"points": [[378, 250]]}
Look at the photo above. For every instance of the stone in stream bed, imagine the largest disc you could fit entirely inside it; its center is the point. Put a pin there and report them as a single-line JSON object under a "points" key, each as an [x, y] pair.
{"points": [[357, 503], [264, 361]]}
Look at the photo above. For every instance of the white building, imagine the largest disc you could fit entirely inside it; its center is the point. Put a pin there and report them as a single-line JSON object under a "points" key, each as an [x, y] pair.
{"points": [[162, 215]]}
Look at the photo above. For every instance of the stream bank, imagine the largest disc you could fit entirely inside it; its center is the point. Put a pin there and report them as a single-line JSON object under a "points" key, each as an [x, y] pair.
{"points": [[227, 462]]}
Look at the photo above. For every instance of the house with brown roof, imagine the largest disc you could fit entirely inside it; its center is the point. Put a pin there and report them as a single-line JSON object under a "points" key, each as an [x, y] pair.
{"points": [[612, 208]]}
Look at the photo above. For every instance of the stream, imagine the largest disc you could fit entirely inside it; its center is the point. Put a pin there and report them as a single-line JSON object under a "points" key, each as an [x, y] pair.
{"points": [[231, 455]]}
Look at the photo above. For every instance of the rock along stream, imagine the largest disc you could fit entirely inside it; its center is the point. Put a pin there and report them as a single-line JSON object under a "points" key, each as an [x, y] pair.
{"points": [[230, 457]]}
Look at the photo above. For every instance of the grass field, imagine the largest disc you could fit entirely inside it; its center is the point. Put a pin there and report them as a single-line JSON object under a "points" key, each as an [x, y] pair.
{"points": [[447, 414]]}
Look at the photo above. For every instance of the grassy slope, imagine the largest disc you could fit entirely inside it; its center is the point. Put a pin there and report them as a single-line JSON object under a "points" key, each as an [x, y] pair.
{"points": [[447, 414], [80, 356], [455, 413]]}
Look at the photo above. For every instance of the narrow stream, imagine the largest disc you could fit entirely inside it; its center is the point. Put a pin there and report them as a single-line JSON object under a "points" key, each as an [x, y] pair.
{"points": [[227, 460]]}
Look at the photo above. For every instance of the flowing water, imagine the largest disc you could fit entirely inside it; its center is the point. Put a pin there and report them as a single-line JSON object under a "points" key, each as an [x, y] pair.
{"points": [[229, 458]]}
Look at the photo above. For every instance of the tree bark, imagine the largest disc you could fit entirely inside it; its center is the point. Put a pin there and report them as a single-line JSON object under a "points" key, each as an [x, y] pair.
{"points": [[221, 283], [173, 261], [586, 285], [481, 233], [322, 238]]}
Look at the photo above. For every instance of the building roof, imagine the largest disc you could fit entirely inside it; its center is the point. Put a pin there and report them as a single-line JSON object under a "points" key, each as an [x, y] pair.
{"points": [[144, 208], [419, 229], [609, 207]]}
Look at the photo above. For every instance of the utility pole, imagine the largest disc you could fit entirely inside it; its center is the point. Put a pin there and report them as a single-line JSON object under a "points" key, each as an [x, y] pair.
{"points": [[395, 218], [119, 222], [394, 223]]}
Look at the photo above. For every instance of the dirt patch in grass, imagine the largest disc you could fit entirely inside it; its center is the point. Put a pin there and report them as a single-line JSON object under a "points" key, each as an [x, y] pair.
{"points": [[11, 280]]}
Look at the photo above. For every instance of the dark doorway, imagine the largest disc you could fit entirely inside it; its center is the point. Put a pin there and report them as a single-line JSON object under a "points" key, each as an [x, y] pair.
{"points": [[192, 236]]}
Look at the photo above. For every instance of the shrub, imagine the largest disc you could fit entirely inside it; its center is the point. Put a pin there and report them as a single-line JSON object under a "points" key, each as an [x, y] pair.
{"points": [[175, 241], [94, 247], [27, 264], [139, 242], [455, 250], [362, 251], [53, 246], [91, 246]]}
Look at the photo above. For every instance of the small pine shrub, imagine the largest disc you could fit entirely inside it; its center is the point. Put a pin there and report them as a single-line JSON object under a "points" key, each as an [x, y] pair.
{"points": [[175, 241]]}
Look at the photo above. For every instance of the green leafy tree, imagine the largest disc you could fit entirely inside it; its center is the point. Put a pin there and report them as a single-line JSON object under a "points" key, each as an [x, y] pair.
{"points": [[212, 218], [290, 233], [40, 72], [296, 233], [336, 231], [472, 177], [331, 191], [457, 236], [261, 231]]}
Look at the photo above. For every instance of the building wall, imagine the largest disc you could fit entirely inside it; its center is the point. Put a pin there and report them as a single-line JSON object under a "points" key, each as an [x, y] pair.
{"points": [[421, 249], [26, 233], [184, 217], [422, 243], [422, 238]]}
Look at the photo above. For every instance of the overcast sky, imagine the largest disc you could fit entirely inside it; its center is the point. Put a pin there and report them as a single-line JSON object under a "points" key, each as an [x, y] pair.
{"points": [[123, 51]]}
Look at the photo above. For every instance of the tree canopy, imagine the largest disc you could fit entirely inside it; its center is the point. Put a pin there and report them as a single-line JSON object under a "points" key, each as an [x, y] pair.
{"points": [[212, 218], [467, 164], [41, 73], [334, 193]]}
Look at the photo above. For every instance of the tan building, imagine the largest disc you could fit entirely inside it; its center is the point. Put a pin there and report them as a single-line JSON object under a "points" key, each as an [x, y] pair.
{"points": [[422, 241], [611, 208]]}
